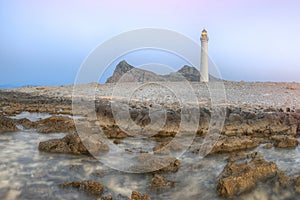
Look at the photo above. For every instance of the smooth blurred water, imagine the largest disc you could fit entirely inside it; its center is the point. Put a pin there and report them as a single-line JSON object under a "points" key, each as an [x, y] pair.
{"points": [[26, 173]]}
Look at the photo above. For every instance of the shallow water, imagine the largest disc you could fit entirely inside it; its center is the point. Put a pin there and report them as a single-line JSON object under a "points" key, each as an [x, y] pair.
{"points": [[26, 173], [34, 116]]}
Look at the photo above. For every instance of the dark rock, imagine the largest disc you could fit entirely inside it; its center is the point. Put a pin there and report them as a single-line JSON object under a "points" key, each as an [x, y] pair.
{"points": [[117, 141]]}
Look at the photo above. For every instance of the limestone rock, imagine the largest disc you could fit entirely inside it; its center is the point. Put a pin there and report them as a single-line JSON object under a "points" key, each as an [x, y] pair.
{"points": [[229, 144], [109, 197], [7, 125], [55, 124], [138, 196], [238, 178], [283, 141], [158, 181], [71, 143]]}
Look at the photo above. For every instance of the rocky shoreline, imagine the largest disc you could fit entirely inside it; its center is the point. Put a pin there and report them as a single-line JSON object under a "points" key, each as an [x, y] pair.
{"points": [[248, 123]]}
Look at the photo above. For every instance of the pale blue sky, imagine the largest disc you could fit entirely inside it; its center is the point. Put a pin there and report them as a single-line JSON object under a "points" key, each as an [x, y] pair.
{"points": [[45, 42]]}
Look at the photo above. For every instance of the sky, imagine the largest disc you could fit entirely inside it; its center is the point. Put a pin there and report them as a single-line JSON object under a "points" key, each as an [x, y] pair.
{"points": [[46, 42]]}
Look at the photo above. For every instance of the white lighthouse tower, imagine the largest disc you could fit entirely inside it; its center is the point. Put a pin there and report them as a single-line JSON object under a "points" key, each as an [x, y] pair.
{"points": [[204, 57]]}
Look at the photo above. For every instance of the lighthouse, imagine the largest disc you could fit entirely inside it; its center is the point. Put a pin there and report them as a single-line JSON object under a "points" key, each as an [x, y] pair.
{"points": [[204, 57]]}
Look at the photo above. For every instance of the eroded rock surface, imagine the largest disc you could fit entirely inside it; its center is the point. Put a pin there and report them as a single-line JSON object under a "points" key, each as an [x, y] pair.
{"points": [[138, 196], [238, 178], [71, 143], [91, 187], [158, 181], [7, 125]]}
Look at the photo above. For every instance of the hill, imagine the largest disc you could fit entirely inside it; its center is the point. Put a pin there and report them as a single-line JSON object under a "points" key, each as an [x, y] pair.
{"points": [[125, 72]]}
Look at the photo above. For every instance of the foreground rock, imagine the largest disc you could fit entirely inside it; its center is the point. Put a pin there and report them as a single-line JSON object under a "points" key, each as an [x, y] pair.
{"points": [[91, 187], [138, 196], [158, 181], [283, 141], [7, 125], [149, 163], [238, 178], [71, 143], [229, 144], [54, 124]]}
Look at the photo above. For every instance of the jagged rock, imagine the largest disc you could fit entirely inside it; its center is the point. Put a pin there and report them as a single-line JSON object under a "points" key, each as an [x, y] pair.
{"points": [[138, 196], [242, 156], [91, 187], [125, 72], [7, 125], [71, 143], [283, 141], [109, 197], [237, 178], [172, 167], [234, 144], [158, 181], [54, 124]]}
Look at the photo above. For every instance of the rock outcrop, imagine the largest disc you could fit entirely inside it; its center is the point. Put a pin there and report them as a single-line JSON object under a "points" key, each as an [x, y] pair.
{"points": [[91, 187], [54, 124], [138, 196], [71, 143], [238, 178], [7, 125], [158, 181]]}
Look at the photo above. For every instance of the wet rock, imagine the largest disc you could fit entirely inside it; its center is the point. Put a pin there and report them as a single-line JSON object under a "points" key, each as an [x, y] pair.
{"points": [[242, 156], [113, 131], [172, 167], [283, 180], [71, 143], [55, 124], [117, 141], [297, 185], [268, 146], [237, 177], [7, 125], [230, 144], [284, 141], [138, 196], [148, 163], [168, 147], [109, 197], [159, 181], [91, 187]]}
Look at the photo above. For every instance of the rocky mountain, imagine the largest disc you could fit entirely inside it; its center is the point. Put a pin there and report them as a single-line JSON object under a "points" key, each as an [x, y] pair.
{"points": [[125, 72]]}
